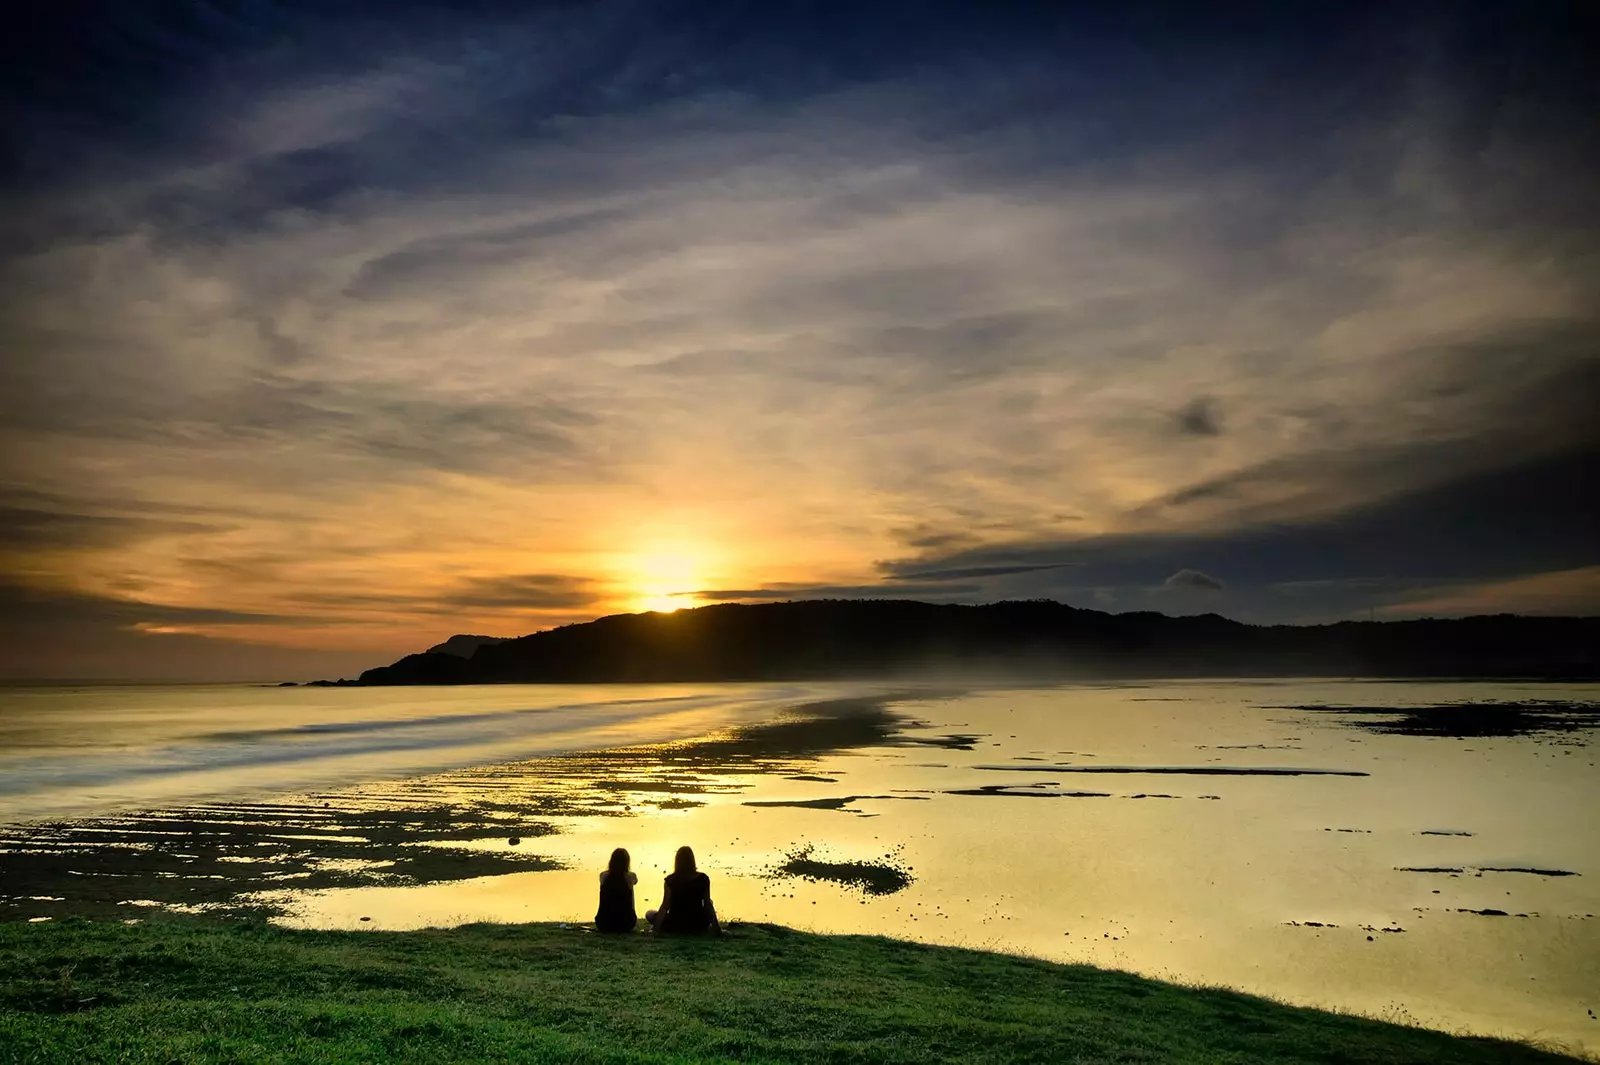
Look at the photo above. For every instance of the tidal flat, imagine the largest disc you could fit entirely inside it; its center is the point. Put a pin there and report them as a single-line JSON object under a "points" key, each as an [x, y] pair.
{"points": [[1423, 852]]}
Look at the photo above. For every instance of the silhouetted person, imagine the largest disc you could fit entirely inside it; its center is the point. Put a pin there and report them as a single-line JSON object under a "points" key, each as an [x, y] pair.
{"points": [[685, 900], [616, 896]]}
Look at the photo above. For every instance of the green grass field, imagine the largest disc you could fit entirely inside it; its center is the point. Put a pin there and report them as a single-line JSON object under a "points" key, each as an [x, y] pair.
{"points": [[183, 990]]}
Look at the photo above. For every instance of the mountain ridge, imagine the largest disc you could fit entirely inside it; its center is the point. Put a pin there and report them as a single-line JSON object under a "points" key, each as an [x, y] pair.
{"points": [[464, 644], [818, 639]]}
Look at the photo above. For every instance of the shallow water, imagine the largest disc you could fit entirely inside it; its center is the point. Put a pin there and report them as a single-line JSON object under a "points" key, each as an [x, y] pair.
{"points": [[1248, 834]]}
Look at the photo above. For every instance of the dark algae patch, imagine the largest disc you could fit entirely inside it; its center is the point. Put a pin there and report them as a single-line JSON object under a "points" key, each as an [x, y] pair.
{"points": [[1182, 770], [1030, 791], [838, 802], [960, 741], [1459, 869], [1537, 717], [206, 992], [208, 855], [882, 877]]}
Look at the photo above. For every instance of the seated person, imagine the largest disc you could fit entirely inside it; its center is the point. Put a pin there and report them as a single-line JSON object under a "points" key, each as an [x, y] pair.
{"points": [[686, 907], [616, 896]]}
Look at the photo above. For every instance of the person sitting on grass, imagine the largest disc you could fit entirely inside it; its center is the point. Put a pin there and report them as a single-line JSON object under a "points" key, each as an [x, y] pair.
{"points": [[616, 896], [686, 907]]}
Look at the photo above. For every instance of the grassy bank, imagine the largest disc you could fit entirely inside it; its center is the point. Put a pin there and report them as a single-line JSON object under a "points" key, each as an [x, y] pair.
{"points": [[193, 991]]}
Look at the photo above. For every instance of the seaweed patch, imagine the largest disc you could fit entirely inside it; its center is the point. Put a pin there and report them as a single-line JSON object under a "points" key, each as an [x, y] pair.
{"points": [[1534, 718], [836, 802], [884, 876], [1183, 770], [1028, 791]]}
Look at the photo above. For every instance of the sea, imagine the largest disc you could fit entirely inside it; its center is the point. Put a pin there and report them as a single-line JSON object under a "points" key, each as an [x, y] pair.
{"points": [[1423, 852]]}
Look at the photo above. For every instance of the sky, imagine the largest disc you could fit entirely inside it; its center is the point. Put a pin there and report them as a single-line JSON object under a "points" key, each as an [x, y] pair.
{"points": [[331, 329]]}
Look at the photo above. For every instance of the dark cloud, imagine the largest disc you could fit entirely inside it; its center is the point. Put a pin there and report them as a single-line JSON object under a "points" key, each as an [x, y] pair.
{"points": [[529, 591], [898, 590], [1200, 418], [22, 527], [1524, 396], [394, 430], [968, 572], [65, 635], [1537, 517], [22, 605], [517, 592], [1192, 580]]}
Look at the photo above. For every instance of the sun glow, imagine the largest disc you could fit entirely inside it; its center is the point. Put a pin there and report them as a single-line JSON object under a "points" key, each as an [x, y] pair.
{"points": [[665, 580]]}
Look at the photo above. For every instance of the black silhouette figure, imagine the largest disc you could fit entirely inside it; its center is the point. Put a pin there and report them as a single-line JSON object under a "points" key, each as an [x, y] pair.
{"points": [[686, 907], [616, 913]]}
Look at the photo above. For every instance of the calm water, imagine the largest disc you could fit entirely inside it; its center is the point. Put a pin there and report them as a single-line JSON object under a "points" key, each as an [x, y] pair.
{"points": [[1247, 834]]}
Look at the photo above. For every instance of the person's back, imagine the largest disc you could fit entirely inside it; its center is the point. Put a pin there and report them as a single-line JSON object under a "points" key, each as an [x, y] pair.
{"points": [[691, 897], [686, 907], [616, 913]]}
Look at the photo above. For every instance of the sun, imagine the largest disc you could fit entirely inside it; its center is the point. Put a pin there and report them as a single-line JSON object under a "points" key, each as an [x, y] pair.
{"points": [[664, 580], [665, 604]]}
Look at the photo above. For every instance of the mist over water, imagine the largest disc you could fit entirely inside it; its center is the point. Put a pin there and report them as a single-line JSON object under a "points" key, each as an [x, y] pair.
{"points": [[75, 749], [1422, 851]]}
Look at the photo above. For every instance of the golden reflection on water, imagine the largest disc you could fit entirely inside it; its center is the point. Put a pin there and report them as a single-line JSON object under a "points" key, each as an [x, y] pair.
{"points": [[1303, 887], [1293, 886]]}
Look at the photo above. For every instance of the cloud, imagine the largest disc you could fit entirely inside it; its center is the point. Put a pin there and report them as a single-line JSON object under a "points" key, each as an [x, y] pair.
{"points": [[938, 592], [22, 527], [961, 573], [499, 292], [1199, 418], [64, 608], [1537, 517], [521, 592], [1192, 580], [1574, 592], [61, 634]]}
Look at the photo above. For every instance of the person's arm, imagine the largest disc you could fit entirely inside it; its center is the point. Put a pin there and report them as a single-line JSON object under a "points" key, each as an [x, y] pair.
{"points": [[666, 897], [711, 912]]}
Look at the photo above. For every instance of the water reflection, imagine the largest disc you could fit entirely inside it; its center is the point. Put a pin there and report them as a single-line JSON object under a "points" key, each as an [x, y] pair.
{"points": [[1376, 869], [237, 858]]}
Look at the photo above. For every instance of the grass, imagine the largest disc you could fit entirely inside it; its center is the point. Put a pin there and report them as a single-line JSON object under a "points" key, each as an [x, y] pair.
{"points": [[179, 990]]}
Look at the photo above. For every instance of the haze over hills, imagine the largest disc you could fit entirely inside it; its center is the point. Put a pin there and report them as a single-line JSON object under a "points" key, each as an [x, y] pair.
{"points": [[854, 638]]}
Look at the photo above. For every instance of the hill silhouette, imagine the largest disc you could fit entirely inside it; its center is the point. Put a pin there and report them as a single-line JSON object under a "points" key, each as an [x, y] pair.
{"points": [[854, 638], [463, 645]]}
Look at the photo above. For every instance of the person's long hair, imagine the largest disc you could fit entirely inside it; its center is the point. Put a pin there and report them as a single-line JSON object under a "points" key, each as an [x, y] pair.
{"points": [[683, 864], [619, 865]]}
